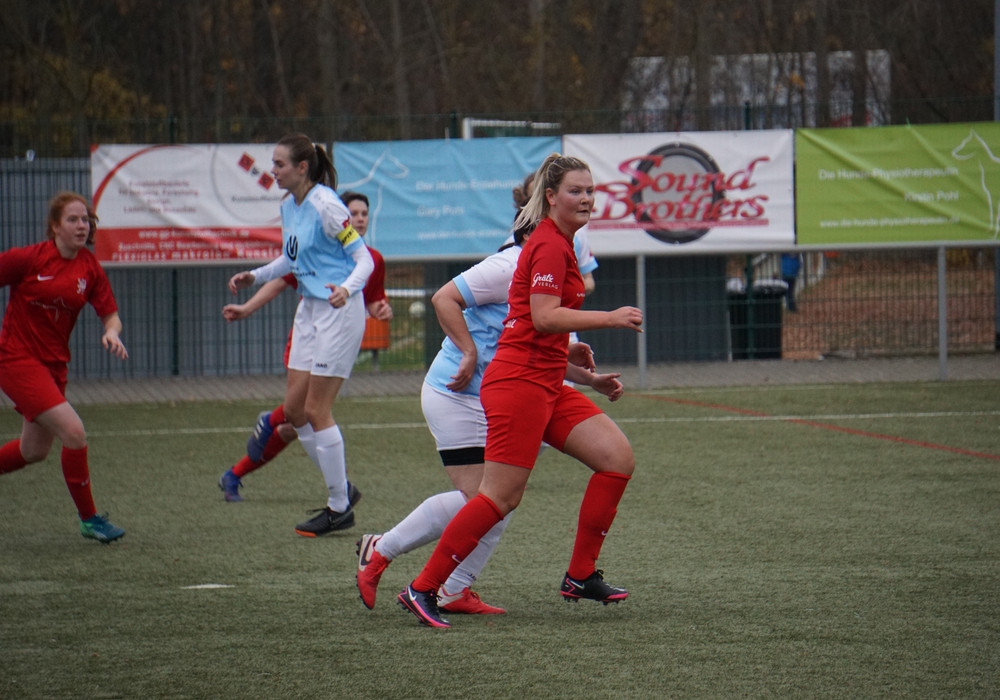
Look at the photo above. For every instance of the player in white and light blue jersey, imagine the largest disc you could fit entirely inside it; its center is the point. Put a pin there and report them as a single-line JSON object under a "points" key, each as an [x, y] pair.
{"points": [[331, 264], [319, 243], [483, 291]]}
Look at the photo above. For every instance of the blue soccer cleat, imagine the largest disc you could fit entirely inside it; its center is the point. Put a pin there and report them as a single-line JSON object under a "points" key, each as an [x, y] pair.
{"points": [[258, 438], [98, 528]]}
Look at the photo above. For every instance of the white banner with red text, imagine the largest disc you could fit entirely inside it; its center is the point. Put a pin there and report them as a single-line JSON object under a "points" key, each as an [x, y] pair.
{"points": [[718, 191], [185, 204]]}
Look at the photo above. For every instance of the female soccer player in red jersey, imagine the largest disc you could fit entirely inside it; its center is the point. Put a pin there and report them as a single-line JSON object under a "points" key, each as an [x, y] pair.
{"points": [[527, 403], [50, 284]]}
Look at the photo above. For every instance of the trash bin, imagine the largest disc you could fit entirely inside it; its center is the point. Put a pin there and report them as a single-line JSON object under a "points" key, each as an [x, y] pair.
{"points": [[755, 319]]}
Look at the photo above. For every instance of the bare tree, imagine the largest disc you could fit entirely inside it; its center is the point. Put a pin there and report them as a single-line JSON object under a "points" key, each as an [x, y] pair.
{"points": [[704, 33], [235, 59], [536, 14]]}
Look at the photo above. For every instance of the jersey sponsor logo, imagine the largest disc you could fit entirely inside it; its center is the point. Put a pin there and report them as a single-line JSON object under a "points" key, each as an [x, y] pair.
{"points": [[546, 280], [54, 309], [347, 235]]}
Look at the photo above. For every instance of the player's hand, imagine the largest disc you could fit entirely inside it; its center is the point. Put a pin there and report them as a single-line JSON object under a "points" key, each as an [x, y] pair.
{"points": [[380, 310], [114, 345], [582, 355], [626, 317], [338, 296], [463, 376], [608, 385], [235, 312], [241, 280]]}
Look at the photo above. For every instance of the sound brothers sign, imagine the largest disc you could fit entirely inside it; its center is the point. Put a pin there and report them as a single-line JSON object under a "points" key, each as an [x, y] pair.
{"points": [[673, 193]]}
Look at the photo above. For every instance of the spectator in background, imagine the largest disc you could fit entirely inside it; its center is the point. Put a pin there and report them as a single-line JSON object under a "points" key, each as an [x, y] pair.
{"points": [[273, 433], [50, 283], [791, 264]]}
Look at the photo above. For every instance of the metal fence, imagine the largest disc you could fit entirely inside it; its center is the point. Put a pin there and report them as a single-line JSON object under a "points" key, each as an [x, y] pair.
{"points": [[851, 304], [61, 138]]}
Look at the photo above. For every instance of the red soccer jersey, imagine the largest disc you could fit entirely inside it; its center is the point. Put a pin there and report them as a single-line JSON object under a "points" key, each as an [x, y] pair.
{"points": [[47, 293], [375, 286], [547, 265]]}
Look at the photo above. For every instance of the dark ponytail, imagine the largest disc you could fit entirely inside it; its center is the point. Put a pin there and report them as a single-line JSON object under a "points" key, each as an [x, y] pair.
{"points": [[520, 233], [301, 148]]}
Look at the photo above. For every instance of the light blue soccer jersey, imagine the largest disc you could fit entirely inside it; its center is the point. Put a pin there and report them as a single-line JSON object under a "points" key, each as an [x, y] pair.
{"points": [[484, 289], [318, 240], [585, 259]]}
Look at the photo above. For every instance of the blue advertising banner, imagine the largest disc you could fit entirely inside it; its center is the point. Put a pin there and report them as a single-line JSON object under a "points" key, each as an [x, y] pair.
{"points": [[439, 198]]}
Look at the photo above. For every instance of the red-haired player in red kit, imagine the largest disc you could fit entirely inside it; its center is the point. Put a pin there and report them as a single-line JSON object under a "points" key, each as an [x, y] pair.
{"points": [[50, 283], [526, 402]]}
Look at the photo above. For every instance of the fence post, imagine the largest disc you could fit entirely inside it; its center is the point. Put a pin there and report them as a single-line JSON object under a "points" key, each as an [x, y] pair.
{"points": [[749, 278], [175, 325], [640, 301], [996, 297], [942, 315]]}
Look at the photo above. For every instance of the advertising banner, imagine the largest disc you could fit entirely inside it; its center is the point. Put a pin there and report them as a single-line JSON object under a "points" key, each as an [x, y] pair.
{"points": [[898, 184], [439, 198], [185, 204], [720, 191]]}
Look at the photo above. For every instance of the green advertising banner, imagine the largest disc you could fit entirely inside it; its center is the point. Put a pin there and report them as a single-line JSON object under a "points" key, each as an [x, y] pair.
{"points": [[897, 184]]}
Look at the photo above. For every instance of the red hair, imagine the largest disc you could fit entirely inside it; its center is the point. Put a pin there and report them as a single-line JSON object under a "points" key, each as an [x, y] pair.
{"points": [[58, 204]]}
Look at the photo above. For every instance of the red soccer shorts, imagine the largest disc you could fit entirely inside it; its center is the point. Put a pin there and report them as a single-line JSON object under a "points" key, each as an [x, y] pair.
{"points": [[33, 386], [520, 415]]}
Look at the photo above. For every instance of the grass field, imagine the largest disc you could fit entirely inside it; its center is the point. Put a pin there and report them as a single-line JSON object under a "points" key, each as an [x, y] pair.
{"points": [[821, 541]]}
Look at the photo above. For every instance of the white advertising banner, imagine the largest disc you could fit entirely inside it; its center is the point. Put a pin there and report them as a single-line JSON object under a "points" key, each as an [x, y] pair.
{"points": [[690, 192], [185, 204]]}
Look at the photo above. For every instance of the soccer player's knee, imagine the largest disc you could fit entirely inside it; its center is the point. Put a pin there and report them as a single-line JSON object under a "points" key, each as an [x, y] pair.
{"points": [[75, 439], [625, 464], [32, 454], [622, 458]]}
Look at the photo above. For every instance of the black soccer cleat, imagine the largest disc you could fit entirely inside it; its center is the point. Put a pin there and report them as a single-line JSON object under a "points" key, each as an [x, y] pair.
{"points": [[353, 494], [325, 522], [593, 588]]}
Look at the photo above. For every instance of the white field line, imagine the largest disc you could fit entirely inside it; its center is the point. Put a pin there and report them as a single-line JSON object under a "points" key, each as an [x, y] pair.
{"points": [[816, 417], [174, 432]]}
